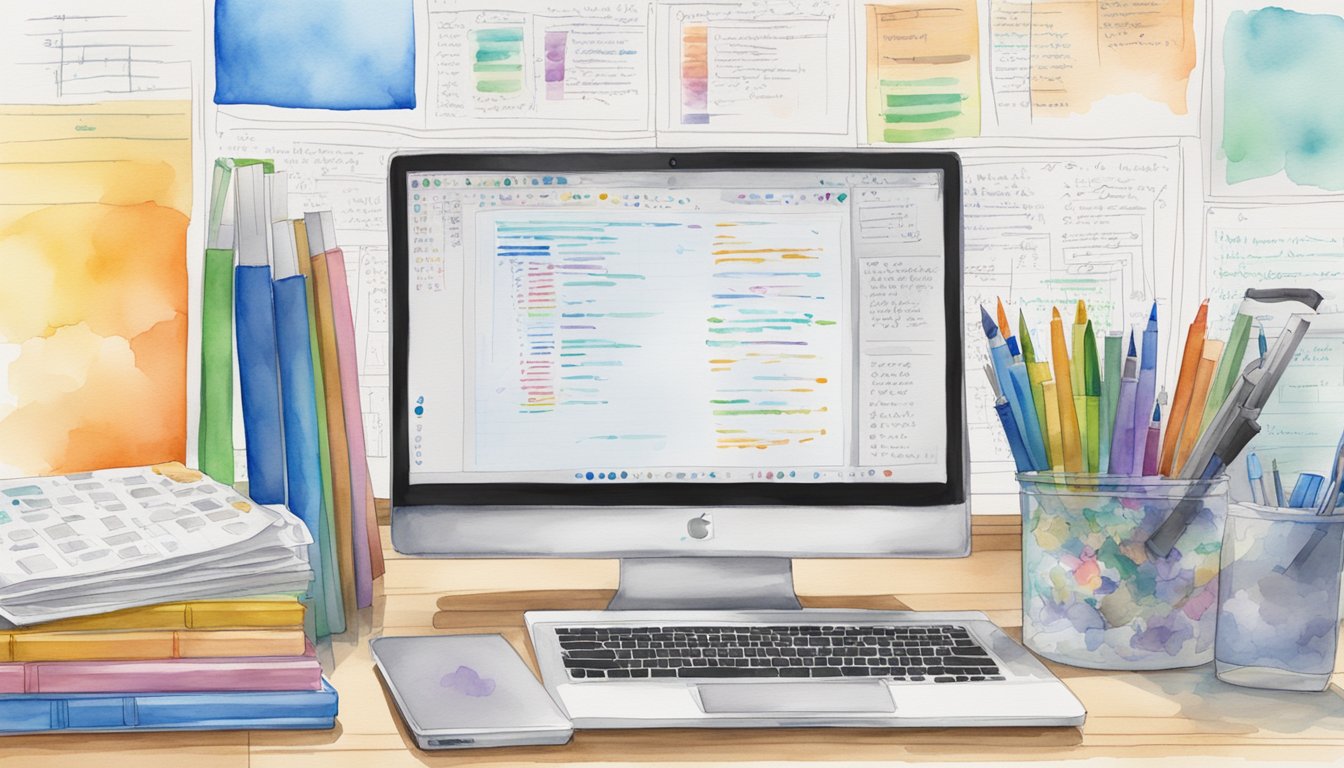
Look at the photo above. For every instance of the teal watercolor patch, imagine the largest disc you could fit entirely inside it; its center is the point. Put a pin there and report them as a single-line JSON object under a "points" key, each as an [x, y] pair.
{"points": [[1284, 97]]}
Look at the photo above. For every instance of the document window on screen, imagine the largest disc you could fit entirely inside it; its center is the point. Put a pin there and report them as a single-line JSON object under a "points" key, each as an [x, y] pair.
{"points": [[699, 327]]}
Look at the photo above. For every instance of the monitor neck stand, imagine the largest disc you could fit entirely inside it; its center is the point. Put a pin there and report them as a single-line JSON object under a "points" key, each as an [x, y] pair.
{"points": [[705, 583]]}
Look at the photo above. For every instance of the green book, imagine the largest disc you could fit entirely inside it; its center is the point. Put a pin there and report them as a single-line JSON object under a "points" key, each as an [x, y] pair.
{"points": [[214, 435]]}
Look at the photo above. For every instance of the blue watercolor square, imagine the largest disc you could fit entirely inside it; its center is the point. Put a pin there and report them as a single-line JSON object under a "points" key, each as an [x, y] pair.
{"points": [[337, 54]]}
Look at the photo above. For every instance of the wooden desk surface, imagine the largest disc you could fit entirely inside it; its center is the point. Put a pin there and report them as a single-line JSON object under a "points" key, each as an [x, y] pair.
{"points": [[1183, 714]]}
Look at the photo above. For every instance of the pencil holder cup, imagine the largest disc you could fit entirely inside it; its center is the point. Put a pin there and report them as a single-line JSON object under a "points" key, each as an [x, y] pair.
{"points": [[1092, 594], [1278, 598]]}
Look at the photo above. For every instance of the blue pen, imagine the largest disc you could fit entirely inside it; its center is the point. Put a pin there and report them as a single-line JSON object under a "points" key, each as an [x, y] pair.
{"points": [[1256, 474], [1018, 397], [1264, 345], [1020, 456], [1145, 391]]}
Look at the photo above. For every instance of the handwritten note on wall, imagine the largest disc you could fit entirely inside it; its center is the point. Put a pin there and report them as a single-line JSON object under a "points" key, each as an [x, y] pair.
{"points": [[1058, 58], [923, 71]]}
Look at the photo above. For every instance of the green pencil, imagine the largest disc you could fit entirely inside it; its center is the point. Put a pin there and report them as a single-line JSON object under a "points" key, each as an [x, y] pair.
{"points": [[1092, 400], [1110, 396], [1229, 367], [1037, 372]]}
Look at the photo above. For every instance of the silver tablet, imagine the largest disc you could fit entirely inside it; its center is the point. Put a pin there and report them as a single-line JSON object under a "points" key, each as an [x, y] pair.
{"points": [[458, 691]]}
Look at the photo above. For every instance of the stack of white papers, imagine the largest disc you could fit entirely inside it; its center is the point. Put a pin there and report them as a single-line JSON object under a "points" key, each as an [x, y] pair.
{"points": [[101, 541]]}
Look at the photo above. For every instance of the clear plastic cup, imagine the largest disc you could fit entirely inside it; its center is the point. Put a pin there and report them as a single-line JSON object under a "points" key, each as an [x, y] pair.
{"points": [[1278, 598], [1092, 594]]}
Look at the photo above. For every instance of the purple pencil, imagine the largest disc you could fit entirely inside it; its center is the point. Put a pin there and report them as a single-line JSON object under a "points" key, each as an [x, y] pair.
{"points": [[1122, 435], [1154, 447], [1145, 392]]}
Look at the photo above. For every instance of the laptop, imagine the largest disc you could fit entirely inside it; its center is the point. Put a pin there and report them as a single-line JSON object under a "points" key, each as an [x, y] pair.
{"points": [[635, 669]]}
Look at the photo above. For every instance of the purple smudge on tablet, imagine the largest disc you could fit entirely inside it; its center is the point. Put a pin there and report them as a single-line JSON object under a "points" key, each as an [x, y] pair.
{"points": [[467, 680]]}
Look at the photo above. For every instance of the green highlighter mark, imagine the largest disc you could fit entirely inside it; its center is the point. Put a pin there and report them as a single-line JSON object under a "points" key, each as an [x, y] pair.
{"points": [[920, 117], [900, 135], [499, 86], [511, 34], [922, 99]]}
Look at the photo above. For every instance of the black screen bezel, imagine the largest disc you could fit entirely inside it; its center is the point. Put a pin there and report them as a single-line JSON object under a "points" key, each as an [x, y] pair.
{"points": [[718, 493]]}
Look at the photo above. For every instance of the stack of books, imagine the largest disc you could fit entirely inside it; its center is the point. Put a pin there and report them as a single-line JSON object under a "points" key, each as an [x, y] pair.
{"points": [[141, 599], [275, 302]]}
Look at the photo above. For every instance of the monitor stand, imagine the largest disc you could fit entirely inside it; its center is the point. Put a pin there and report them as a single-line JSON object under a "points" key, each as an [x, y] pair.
{"points": [[705, 583]]}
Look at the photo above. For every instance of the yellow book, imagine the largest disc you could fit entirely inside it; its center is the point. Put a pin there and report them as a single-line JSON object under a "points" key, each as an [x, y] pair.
{"points": [[157, 644], [279, 611]]}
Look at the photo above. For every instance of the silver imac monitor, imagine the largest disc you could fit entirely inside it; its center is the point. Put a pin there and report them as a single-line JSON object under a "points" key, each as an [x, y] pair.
{"points": [[702, 363]]}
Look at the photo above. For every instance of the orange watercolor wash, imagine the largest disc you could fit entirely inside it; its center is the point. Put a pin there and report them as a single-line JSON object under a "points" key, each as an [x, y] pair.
{"points": [[93, 307]]}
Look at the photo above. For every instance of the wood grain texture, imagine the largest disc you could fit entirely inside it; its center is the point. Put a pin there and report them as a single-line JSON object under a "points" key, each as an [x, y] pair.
{"points": [[1185, 716]]}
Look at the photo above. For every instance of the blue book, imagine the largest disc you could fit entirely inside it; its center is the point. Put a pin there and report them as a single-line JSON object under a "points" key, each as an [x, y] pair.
{"points": [[303, 465], [254, 320], [270, 710], [259, 378]]}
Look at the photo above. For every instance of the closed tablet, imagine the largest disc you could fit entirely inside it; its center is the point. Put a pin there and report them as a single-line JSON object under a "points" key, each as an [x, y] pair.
{"points": [[467, 691]]}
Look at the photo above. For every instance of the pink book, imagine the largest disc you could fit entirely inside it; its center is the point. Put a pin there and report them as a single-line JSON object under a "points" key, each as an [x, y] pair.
{"points": [[258, 673], [322, 241]]}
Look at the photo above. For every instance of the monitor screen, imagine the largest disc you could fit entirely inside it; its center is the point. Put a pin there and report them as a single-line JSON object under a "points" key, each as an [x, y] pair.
{"points": [[748, 335]]}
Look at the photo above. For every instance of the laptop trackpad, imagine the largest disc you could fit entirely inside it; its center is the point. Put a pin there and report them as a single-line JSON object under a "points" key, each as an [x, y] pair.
{"points": [[795, 698]]}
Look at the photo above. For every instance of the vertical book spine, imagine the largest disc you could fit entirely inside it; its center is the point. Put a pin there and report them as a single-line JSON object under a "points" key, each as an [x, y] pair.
{"points": [[259, 379]]}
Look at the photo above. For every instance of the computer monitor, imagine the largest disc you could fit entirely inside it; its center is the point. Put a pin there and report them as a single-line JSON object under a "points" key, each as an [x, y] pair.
{"points": [[702, 363]]}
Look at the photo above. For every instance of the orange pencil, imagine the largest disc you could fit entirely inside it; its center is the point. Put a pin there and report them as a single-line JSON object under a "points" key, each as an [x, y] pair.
{"points": [[1185, 384], [1007, 334], [1068, 417], [1208, 360]]}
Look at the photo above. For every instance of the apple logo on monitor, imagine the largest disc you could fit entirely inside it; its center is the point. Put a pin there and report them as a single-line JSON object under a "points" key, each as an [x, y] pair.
{"points": [[699, 527]]}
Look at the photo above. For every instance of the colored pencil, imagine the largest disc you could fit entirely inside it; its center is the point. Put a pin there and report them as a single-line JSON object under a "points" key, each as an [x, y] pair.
{"points": [[1006, 332], [1001, 406], [1052, 427], [1150, 453], [1076, 367], [1037, 372], [1092, 400], [1019, 401], [1208, 361], [1034, 437], [1180, 404], [1110, 393], [1145, 391], [1122, 436], [1229, 369], [1068, 415]]}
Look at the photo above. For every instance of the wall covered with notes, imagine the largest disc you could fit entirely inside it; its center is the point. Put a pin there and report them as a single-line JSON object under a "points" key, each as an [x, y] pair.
{"points": [[1118, 151]]}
